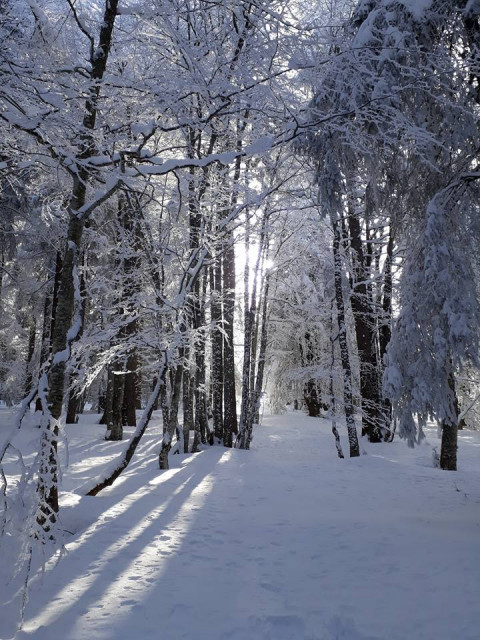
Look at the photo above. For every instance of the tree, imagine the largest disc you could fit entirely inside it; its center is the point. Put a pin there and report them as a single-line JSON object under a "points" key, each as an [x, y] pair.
{"points": [[403, 112]]}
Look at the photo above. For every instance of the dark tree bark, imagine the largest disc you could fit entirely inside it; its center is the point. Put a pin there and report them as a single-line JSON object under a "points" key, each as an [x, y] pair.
{"points": [[130, 394], [310, 391], [310, 395], [108, 398], [198, 322], [139, 383], [386, 331], [261, 353], [386, 325], [243, 440], [196, 191], [115, 423], [230, 425], [164, 405], [217, 347], [73, 405], [448, 450], [187, 399]]}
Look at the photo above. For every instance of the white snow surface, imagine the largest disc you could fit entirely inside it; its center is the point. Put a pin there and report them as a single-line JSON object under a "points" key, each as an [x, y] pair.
{"points": [[282, 542]]}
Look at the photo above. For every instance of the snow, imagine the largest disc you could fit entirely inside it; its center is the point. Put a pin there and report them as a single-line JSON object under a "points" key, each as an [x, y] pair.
{"points": [[260, 146], [417, 7], [283, 542]]}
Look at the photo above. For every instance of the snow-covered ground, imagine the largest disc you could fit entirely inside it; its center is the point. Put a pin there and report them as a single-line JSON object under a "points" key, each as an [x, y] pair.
{"points": [[284, 542]]}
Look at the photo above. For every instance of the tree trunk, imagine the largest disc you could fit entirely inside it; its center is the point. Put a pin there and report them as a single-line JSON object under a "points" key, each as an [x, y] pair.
{"points": [[364, 318], [48, 480], [217, 347], [187, 399], [124, 458], [115, 425], [48, 475], [173, 423], [243, 441], [448, 451], [310, 392], [131, 264], [201, 427], [74, 403], [342, 338], [197, 230], [49, 316], [262, 353], [230, 425], [164, 401], [249, 400], [108, 398], [386, 330], [30, 353], [130, 393], [333, 402]]}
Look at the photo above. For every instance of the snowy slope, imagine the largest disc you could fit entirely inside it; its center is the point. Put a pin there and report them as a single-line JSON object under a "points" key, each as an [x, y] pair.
{"points": [[284, 542]]}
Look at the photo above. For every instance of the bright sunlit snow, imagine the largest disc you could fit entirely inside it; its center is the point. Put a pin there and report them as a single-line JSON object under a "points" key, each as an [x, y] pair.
{"points": [[284, 542]]}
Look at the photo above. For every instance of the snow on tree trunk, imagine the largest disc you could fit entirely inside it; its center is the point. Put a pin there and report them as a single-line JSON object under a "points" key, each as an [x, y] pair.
{"points": [[64, 332], [364, 318], [342, 339], [173, 417]]}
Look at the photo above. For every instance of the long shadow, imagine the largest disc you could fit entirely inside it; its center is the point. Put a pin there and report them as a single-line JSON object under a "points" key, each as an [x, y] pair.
{"points": [[119, 495], [210, 561], [119, 559], [99, 448]]}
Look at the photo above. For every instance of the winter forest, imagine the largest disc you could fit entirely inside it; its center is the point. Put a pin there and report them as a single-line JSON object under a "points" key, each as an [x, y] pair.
{"points": [[239, 319]]}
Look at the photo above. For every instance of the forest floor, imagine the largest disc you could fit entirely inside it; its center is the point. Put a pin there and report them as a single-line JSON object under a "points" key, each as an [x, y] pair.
{"points": [[283, 542]]}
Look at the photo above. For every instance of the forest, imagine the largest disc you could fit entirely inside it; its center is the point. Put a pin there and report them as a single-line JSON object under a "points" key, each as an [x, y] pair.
{"points": [[215, 212]]}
